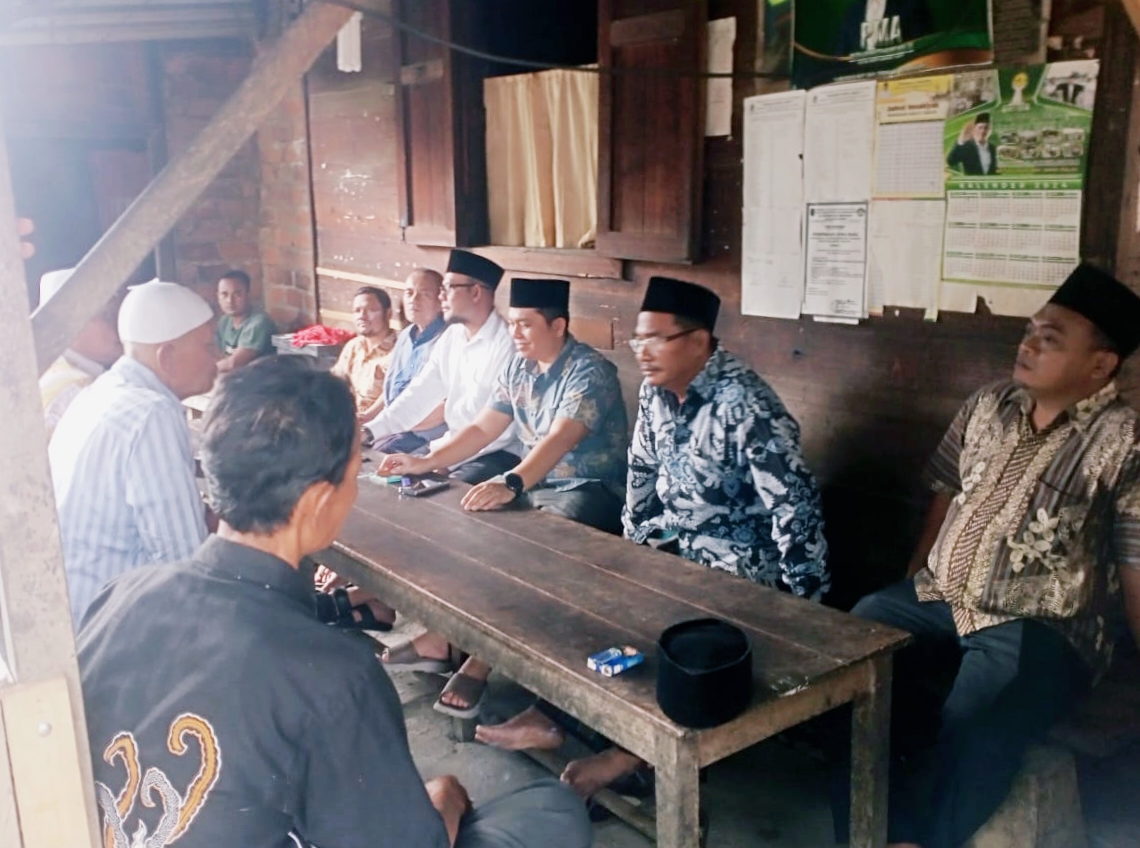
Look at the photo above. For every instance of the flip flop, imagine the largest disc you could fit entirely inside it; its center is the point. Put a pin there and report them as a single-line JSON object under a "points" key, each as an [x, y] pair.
{"points": [[470, 689], [405, 657], [334, 608]]}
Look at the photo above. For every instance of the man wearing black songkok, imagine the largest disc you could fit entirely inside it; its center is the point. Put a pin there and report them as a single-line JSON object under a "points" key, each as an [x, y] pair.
{"points": [[1027, 570]]}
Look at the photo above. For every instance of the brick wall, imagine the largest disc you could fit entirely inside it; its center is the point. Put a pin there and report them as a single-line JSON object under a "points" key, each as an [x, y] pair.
{"points": [[288, 257], [220, 231]]}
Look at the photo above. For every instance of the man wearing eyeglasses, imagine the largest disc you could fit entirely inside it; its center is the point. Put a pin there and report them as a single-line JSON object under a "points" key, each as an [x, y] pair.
{"points": [[715, 461], [462, 369]]}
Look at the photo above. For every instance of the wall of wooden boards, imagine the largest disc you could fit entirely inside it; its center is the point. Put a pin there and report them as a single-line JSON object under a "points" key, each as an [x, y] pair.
{"points": [[872, 400]]}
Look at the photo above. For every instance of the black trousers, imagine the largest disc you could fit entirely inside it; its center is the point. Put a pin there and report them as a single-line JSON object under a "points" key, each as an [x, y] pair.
{"points": [[484, 467], [964, 709]]}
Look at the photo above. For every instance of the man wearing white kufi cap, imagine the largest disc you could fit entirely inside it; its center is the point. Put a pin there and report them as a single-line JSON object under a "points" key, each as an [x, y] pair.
{"points": [[121, 460], [90, 353]]}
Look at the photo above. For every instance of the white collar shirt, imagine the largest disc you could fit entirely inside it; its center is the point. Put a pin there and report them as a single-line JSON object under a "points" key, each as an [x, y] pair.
{"points": [[461, 373]]}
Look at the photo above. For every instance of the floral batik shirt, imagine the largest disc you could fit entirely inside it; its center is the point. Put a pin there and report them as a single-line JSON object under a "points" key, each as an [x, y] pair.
{"points": [[1041, 521], [722, 469]]}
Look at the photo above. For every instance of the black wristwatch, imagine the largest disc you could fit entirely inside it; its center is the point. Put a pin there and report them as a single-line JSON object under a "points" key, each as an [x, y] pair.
{"points": [[514, 482]]}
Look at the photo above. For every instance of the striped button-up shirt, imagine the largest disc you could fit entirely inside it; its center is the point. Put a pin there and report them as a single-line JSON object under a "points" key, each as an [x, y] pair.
{"points": [[124, 483], [1041, 520]]}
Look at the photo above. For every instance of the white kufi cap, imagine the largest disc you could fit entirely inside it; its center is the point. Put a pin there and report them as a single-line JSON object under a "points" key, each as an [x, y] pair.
{"points": [[158, 312], [52, 282]]}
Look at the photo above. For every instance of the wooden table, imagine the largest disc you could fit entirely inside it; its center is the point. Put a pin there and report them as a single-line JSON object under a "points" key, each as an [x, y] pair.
{"points": [[534, 594]]}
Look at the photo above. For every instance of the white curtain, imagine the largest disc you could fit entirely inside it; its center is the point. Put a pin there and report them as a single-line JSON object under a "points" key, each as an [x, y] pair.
{"points": [[542, 158]]}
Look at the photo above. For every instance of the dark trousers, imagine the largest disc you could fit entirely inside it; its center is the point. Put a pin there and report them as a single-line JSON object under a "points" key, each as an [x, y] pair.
{"points": [[964, 709], [594, 504], [483, 468]]}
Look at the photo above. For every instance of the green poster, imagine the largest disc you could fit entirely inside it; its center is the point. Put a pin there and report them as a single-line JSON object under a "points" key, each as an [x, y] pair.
{"points": [[848, 38], [1016, 147], [1025, 127]]}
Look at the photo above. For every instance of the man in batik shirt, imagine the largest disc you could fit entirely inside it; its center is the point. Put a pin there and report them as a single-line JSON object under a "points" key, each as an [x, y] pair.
{"points": [[714, 467], [1029, 560], [715, 458]]}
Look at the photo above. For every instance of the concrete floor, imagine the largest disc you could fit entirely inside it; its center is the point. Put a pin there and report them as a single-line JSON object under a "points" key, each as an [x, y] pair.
{"points": [[773, 795], [770, 796]]}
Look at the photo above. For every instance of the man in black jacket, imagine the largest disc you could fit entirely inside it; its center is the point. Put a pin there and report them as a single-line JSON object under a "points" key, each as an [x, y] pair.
{"points": [[222, 711]]}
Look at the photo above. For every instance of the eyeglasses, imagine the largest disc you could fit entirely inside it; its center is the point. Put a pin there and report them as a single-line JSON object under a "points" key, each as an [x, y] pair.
{"points": [[655, 343], [448, 288]]}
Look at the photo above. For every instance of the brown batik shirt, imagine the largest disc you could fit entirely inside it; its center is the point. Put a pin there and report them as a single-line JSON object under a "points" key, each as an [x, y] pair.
{"points": [[1041, 521]]}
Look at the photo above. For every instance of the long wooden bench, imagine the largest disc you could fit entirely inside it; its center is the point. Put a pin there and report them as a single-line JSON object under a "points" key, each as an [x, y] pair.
{"points": [[534, 595]]}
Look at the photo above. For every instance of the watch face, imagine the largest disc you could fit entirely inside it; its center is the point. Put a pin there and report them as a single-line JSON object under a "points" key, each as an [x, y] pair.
{"points": [[514, 482]]}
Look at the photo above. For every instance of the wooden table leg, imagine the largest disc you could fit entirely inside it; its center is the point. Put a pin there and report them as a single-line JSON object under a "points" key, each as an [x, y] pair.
{"points": [[870, 758], [678, 793]]}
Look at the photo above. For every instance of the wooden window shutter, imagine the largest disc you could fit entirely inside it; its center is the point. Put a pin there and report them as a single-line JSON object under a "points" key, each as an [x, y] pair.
{"points": [[651, 129], [442, 163]]}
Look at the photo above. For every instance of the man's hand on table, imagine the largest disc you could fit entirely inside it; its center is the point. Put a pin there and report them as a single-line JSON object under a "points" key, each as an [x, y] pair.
{"points": [[402, 463], [489, 495], [449, 797]]}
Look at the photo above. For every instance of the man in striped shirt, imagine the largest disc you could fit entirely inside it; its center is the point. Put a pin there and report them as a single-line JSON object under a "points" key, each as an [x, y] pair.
{"points": [[121, 460]]}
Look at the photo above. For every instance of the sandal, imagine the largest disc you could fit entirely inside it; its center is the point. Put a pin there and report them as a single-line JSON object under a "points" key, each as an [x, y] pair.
{"points": [[470, 689], [335, 608], [405, 657]]}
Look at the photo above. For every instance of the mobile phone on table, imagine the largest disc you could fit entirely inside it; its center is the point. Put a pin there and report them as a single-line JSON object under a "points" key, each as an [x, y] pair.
{"points": [[420, 488]]}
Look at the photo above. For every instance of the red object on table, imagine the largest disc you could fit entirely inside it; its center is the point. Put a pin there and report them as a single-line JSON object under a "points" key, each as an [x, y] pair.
{"points": [[319, 334]]}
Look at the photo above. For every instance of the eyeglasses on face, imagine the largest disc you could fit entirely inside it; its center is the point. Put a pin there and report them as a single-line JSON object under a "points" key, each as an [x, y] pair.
{"points": [[655, 343], [448, 288]]}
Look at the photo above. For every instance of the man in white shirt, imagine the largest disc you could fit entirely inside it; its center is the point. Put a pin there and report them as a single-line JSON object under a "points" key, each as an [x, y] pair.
{"points": [[120, 458], [90, 353], [462, 370]]}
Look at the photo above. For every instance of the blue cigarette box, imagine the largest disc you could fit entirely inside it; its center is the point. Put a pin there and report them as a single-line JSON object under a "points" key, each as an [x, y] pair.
{"points": [[613, 661]]}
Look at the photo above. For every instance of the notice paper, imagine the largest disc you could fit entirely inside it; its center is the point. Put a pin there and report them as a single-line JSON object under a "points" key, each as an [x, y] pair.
{"points": [[836, 249], [905, 254], [718, 108], [772, 268], [910, 115], [839, 142]]}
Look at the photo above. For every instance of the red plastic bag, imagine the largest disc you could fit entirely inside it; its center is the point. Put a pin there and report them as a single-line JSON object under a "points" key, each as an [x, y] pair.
{"points": [[319, 334]]}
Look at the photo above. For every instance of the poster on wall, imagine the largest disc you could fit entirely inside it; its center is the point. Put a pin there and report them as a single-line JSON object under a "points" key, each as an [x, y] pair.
{"points": [[834, 39], [909, 119], [1016, 150]]}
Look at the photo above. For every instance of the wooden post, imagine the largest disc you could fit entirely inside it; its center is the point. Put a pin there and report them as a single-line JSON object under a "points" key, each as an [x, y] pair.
{"points": [[33, 592], [678, 792], [171, 193], [870, 758]]}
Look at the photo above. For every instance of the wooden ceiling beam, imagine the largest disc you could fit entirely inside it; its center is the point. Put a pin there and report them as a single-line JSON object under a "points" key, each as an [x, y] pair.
{"points": [[1133, 9], [168, 197]]}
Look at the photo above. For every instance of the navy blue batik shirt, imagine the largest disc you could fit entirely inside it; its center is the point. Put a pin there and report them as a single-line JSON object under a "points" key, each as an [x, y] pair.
{"points": [[722, 469]]}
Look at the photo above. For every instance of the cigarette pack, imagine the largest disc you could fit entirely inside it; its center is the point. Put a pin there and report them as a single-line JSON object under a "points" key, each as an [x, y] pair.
{"points": [[613, 661]]}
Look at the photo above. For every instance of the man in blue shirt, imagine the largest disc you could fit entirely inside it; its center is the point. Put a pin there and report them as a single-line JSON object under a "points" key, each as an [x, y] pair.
{"points": [[424, 314], [121, 460], [566, 401]]}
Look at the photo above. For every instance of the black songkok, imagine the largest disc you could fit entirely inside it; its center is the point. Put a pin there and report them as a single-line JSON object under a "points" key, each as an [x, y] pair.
{"points": [[475, 266], [686, 300], [1108, 303], [540, 294]]}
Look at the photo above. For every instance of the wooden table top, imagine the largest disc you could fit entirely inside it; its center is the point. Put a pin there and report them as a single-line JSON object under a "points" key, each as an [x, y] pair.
{"points": [[559, 591]]}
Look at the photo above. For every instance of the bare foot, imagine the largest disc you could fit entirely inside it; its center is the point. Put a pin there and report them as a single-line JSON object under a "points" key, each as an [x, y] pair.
{"points": [[529, 729], [429, 646], [588, 775], [476, 671], [380, 610]]}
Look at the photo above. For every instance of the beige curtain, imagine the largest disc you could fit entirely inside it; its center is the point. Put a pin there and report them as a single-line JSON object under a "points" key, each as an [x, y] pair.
{"points": [[542, 158]]}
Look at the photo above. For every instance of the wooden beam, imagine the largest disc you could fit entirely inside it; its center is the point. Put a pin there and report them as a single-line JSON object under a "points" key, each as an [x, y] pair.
{"points": [[155, 212], [1133, 9], [34, 604]]}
